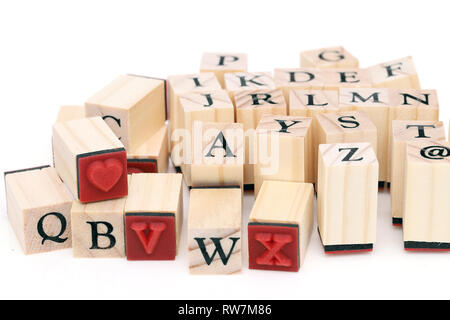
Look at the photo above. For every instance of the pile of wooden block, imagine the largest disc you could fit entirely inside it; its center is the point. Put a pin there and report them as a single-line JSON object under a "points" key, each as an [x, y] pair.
{"points": [[329, 124]]}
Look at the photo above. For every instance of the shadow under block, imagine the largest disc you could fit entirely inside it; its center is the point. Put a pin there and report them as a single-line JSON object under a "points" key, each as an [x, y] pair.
{"points": [[217, 155], [90, 159], [310, 103], [38, 207], [399, 73], [333, 57], [98, 229], [67, 113], [283, 150], [320, 79], [280, 226], [251, 105], [183, 84], [133, 106], [221, 63], [152, 156], [347, 197], [215, 235], [426, 215], [153, 216], [402, 132]]}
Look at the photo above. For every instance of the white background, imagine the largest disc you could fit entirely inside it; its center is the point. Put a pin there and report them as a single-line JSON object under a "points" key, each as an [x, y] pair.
{"points": [[61, 52]]}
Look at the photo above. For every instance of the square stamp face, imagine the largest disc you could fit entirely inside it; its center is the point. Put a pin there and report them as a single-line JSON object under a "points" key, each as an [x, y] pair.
{"points": [[142, 166], [273, 246], [150, 236], [102, 175]]}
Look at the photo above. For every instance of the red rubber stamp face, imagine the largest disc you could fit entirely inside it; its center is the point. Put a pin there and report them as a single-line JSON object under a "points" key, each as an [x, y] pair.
{"points": [[142, 166], [102, 176], [273, 247], [150, 236]]}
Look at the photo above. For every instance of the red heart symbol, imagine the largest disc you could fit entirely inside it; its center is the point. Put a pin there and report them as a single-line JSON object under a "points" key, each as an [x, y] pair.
{"points": [[104, 175]]}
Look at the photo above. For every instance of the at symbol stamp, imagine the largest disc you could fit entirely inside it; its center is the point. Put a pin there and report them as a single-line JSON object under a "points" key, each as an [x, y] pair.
{"points": [[435, 152]]}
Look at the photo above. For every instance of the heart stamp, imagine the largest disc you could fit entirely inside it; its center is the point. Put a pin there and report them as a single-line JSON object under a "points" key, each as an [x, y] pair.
{"points": [[104, 175]]}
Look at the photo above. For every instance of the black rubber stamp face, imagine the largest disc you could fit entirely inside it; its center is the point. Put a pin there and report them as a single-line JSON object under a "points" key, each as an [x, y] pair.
{"points": [[435, 152]]}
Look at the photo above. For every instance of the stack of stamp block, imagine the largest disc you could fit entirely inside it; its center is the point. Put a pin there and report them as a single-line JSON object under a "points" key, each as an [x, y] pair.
{"points": [[382, 106], [362, 121], [330, 123], [214, 120], [209, 147], [110, 157]]}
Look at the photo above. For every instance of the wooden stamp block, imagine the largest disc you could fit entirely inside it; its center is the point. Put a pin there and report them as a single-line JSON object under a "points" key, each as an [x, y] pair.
{"points": [[133, 106], [413, 104], [67, 113], [207, 107], [399, 73], [214, 235], [98, 229], [334, 79], [426, 215], [250, 107], [347, 197], [217, 157], [153, 216], [221, 63], [320, 79], [334, 57], [288, 79], [90, 159], [410, 104], [238, 82], [284, 150], [376, 104], [182, 84], [152, 156], [310, 103], [402, 132], [280, 226], [38, 207], [253, 104], [346, 127]]}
